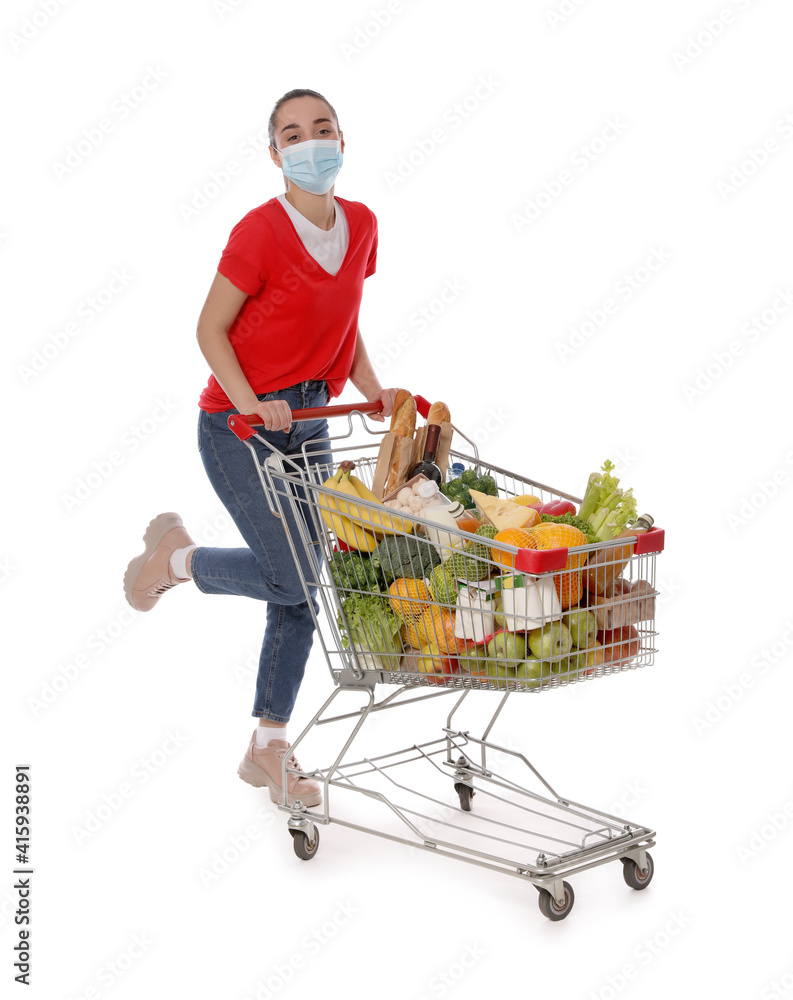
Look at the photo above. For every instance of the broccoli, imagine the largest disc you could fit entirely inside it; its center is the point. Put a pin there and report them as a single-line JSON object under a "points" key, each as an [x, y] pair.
{"points": [[458, 489], [353, 573]]}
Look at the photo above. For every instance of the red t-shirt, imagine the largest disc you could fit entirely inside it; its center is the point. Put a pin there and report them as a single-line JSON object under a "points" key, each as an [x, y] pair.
{"points": [[299, 322]]}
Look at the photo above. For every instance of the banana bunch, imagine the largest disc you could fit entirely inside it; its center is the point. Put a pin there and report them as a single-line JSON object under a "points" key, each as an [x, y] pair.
{"points": [[358, 527]]}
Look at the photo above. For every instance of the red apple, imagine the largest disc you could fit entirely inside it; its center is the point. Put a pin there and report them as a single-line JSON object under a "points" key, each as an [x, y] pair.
{"points": [[620, 645]]}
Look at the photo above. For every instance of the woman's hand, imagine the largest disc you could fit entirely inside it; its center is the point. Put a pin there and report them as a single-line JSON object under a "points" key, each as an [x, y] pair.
{"points": [[276, 415], [387, 397]]}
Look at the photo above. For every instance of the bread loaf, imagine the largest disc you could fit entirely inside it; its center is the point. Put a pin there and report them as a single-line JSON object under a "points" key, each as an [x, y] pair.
{"points": [[403, 415], [439, 414], [403, 424]]}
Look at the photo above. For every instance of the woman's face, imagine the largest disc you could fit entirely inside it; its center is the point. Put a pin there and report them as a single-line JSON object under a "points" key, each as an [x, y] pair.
{"points": [[302, 119]]}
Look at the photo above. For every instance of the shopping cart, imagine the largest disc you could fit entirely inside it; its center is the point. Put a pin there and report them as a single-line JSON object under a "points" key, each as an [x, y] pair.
{"points": [[428, 640]]}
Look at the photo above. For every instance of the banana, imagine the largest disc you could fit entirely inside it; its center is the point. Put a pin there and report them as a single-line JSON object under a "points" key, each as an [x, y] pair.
{"points": [[381, 522], [354, 535]]}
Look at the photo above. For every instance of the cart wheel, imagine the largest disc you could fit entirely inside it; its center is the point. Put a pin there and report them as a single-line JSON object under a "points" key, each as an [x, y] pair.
{"points": [[548, 907], [304, 848], [466, 793], [632, 875]]}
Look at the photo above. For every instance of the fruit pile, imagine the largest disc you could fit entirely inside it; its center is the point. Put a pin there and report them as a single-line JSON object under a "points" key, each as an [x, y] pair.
{"points": [[393, 582]]}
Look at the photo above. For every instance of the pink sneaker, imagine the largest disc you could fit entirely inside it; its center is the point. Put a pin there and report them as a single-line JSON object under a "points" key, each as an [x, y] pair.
{"points": [[261, 767], [149, 575]]}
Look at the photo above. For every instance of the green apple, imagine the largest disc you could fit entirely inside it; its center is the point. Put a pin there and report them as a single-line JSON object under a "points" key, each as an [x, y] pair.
{"points": [[506, 648], [534, 671], [550, 641], [583, 628], [473, 659], [586, 659], [499, 669]]}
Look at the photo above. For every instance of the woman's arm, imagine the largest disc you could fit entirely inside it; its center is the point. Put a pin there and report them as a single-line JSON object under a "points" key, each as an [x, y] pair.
{"points": [[364, 378], [223, 302]]}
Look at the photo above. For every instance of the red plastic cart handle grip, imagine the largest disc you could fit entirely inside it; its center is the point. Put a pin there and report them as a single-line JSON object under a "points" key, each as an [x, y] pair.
{"points": [[535, 561], [243, 423]]}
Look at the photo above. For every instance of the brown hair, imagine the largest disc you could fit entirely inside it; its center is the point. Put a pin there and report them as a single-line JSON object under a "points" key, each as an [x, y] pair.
{"points": [[290, 96]]}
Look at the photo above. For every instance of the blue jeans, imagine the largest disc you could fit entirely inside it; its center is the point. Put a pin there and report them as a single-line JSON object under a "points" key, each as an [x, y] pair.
{"points": [[266, 569]]}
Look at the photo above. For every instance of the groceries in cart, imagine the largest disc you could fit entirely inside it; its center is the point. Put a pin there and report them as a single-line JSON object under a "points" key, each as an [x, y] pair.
{"points": [[532, 592]]}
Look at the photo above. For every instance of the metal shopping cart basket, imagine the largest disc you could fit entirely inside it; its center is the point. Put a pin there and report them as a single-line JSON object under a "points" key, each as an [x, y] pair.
{"points": [[448, 592]]}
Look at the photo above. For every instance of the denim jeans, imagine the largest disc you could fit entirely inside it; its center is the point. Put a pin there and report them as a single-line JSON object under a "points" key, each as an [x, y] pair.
{"points": [[265, 570]]}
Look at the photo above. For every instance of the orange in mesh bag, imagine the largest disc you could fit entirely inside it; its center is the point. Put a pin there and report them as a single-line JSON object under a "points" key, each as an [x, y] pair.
{"points": [[563, 536]]}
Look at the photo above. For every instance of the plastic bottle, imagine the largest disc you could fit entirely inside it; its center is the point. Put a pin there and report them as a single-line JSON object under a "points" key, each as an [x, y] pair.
{"points": [[443, 513]]}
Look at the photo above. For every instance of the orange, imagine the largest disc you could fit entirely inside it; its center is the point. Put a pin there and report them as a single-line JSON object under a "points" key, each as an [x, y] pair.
{"points": [[416, 592], [563, 536], [518, 537], [434, 627]]}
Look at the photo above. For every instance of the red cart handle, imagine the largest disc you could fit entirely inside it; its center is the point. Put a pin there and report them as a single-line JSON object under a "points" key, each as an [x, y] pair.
{"points": [[242, 424]]}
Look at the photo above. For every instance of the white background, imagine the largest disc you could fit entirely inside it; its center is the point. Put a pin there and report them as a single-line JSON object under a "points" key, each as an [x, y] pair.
{"points": [[696, 746]]}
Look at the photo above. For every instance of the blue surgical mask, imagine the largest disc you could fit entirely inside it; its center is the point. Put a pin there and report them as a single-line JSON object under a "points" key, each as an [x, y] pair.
{"points": [[313, 165]]}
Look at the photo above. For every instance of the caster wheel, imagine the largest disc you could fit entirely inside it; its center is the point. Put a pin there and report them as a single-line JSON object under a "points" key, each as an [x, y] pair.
{"points": [[634, 878], [304, 848], [548, 905], [466, 793]]}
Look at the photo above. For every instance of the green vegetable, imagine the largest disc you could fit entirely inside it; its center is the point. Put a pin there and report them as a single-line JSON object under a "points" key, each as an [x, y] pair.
{"points": [[577, 522], [607, 508], [443, 586], [471, 564], [404, 555], [373, 628], [353, 571], [458, 489]]}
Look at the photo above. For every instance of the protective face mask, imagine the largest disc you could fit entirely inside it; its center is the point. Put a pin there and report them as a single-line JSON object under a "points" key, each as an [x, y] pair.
{"points": [[313, 165]]}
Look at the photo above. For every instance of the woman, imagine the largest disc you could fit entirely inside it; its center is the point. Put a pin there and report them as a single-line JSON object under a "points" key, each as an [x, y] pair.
{"points": [[279, 329]]}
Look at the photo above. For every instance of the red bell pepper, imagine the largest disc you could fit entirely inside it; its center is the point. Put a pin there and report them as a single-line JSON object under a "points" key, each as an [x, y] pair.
{"points": [[558, 507]]}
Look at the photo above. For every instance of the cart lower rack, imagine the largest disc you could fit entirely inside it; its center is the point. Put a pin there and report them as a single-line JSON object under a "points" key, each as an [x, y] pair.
{"points": [[423, 795]]}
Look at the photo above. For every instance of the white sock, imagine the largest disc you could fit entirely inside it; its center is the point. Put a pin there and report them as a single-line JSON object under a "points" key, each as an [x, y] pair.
{"points": [[266, 733], [179, 562]]}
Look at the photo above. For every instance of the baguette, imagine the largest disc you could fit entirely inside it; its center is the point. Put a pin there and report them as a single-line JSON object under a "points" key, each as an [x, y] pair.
{"points": [[403, 415], [403, 424], [439, 414]]}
